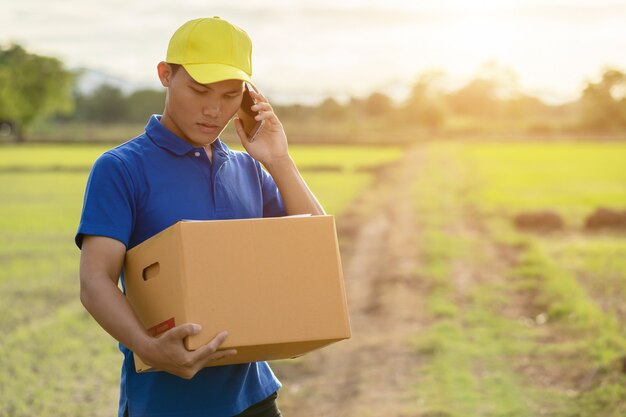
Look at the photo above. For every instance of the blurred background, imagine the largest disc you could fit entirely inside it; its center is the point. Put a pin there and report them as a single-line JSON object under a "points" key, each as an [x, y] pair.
{"points": [[396, 67], [474, 154]]}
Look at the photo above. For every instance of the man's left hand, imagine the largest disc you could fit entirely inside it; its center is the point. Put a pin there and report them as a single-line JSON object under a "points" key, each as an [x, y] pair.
{"points": [[270, 143]]}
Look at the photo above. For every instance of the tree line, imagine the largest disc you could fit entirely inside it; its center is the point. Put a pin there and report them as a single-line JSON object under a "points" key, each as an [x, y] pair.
{"points": [[35, 88]]}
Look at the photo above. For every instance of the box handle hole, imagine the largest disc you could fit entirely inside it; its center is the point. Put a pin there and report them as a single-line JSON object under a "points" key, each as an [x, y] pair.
{"points": [[150, 271]]}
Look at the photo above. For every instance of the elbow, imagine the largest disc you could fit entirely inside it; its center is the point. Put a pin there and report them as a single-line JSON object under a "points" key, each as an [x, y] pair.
{"points": [[85, 293], [84, 297]]}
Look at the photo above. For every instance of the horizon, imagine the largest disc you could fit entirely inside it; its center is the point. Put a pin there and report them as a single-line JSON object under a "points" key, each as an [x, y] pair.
{"points": [[344, 50]]}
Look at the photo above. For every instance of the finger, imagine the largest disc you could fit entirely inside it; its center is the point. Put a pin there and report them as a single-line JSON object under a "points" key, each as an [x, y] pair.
{"points": [[262, 106], [204, 351], [254, 93], [183, 330], [266, 115], [258, 96], [221, 354]]}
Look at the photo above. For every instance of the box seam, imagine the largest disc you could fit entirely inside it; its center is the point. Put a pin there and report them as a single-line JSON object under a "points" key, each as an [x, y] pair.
{"points": [[181, 271]]}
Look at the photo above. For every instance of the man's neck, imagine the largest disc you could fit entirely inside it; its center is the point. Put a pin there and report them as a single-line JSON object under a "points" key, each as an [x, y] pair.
{"points": [[209, 151]]}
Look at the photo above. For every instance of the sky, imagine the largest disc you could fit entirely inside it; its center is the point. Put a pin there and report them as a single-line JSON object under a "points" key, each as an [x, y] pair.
{"points": [[305, 50]]}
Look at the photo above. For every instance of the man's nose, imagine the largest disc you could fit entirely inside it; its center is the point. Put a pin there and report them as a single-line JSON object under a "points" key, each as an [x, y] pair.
{"points": [[212, 108]]}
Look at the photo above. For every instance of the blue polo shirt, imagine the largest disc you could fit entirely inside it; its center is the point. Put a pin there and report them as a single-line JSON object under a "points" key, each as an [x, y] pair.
{"points": [[142, 187]]}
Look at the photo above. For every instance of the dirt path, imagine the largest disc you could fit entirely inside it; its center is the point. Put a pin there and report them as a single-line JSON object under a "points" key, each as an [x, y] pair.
{"points": [[505, 356], [372, 373]]}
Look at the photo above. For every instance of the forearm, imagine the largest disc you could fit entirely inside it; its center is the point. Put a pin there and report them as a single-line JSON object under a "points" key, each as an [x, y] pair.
{"points": [[109, 307], [297, 196], [100, 266]]}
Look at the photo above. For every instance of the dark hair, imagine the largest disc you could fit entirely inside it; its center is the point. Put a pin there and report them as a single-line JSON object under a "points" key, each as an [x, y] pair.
{"points": [[175, 68]]}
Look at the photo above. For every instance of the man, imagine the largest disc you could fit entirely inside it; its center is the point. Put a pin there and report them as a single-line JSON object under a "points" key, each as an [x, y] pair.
{"points": [[179, 169]]}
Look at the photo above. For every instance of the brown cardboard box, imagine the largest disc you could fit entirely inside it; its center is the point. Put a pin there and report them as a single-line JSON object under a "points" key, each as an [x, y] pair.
{"points": [[275, 284]]}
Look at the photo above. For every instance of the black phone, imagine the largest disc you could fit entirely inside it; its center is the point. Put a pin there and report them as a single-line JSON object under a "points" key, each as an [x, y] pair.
{"points": [[251, 126]]}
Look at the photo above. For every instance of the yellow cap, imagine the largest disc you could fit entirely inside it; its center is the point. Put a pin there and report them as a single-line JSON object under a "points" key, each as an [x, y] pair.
{"points": [[211, 50]]}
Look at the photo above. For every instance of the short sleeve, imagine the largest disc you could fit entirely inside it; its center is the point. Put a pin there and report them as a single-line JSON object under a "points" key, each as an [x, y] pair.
{"points": [[108, 206], [273, 205]]}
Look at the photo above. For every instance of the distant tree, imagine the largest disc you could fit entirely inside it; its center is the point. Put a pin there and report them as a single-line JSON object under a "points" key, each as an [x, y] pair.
{"points": [[143, 103], [356, 106], [525, 106], [331, 109], [425, 106], [477, 98], [296, 113], [603, 104], [106, 104], [378, 104], [485, 95], [32, 87], [503, 78]]}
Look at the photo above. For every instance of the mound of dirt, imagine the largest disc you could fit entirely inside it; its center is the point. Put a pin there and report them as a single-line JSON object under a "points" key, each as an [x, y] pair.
{"points": [[606, 219], [540, 221]]}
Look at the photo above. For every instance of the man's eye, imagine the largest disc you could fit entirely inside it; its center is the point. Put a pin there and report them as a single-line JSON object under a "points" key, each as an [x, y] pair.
{"points": [[199, 91]]}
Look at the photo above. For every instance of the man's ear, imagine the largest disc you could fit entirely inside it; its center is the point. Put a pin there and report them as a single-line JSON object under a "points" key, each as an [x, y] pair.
{"points": [[165, 73]]}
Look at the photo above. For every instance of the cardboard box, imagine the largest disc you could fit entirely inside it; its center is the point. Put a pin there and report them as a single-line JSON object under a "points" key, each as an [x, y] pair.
{"points": [[275, 284]]}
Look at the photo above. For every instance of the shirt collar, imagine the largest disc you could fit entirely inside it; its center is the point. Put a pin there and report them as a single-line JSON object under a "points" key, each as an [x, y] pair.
{"points": [[166, 139]]}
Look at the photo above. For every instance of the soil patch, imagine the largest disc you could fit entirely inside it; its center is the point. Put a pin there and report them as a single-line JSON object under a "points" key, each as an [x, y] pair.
{"points": [[372, 373]]}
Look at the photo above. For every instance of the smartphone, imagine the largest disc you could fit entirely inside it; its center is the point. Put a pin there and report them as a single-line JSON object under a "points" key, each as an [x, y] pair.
{"points": [[251, 126]]}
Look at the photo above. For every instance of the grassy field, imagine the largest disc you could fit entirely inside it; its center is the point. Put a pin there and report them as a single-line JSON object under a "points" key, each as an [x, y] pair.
{"points": [[519, 324], [522, 324], [55, 360]]}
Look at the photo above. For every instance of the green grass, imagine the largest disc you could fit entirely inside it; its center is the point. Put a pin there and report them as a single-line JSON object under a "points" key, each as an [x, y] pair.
{"points": [[570, 284], [571, 179], [83, 131], [581, 276], [55, 360], [599, 263], [465, 350], [61, 364], [46, 156]]}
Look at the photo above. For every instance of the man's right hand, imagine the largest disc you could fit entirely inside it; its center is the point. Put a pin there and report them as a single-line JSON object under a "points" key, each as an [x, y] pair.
{"points": [[101, 262], [168, 353]]}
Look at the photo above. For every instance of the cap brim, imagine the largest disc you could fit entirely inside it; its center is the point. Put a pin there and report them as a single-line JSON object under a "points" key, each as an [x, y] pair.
{"points": [[212, 73]]}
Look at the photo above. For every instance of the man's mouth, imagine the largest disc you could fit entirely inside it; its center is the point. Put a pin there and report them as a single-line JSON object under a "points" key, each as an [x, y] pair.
{"points": [[208, 127]]}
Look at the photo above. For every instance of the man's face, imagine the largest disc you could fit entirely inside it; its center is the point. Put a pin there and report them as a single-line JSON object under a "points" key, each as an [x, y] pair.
{"points": [[195, 112]]}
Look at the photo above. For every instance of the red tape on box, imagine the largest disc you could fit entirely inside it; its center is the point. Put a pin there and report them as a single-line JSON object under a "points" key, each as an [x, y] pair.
{"points": [[162, 327]]}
